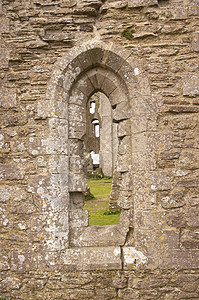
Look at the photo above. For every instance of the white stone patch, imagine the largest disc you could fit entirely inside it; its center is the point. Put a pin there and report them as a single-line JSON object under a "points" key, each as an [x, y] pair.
{"points": [[133, 256], [35, 152], [166, 199], [22, 226], [31, 189], [21, 258], [116, 251], [180, 173], [12, 133], [40, 190], [5, 222], [21, 147], [136, 71]]}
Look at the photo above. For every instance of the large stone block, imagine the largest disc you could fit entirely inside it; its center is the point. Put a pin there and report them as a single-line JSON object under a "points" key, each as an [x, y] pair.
{"points": [[99, 236], [92, 258], [121, 112]]}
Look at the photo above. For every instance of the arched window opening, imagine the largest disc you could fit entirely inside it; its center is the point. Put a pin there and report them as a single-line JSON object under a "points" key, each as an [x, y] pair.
{"points": [[92, 107], [96, 128], [100, 154]]}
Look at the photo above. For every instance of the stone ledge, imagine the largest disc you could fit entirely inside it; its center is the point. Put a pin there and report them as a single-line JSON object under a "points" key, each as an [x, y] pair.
{"points": [[98, 236], [92, 258]]}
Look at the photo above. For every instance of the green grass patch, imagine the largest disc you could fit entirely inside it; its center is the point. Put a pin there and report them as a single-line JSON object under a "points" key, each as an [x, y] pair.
{"points": [[100, 218], [98, 206], [100, 188]]}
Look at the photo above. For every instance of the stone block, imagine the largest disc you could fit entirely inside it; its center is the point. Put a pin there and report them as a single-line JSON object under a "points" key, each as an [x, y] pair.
{"points": [[190, 85], [117, 96], [4, 24], [195, 42], [189, 239], [78, 218], [23, 261], [126, 182], [188, 183], [3, 58], [85, 86], [181, 259], [106, 293], [55, 163], [11, 172], [125, 200], [78, 98], [99, 236], [91, 258], [77, 182], [124, 128], [108, 86], [143, 161], [145, 106], [175, 199], [189, 159], [56, 36], [5, 260], [176, 218], [124, 146], [76, 201], [10, 283], [133, 258], [179, 13], [146, 122], [114, 61], [121, 112], [127, 218], [76, 164], [192, 216], [76, 147], [127, 75], [96, 55], [123, 163], [136, 3], [85, 60], [77, 130], [128, 294], [8, 97]]}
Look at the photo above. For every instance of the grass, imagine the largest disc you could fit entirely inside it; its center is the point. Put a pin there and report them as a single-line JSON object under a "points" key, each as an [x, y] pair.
{"points": [[98, 206], [100, 188]]}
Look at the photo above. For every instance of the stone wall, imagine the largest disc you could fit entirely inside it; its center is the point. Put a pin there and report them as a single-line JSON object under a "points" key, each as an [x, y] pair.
{"points": [[143, 55]]}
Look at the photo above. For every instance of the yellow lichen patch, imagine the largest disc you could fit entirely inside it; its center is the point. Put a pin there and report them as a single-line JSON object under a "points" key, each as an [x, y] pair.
{"points": [[161, 238]]}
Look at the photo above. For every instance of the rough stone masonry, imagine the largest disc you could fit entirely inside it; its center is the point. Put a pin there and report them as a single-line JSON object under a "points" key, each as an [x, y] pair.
{"points": [[143, 56]]}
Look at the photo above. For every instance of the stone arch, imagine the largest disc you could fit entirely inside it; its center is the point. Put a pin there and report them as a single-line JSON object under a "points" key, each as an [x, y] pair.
{"points": [[77, 76]]}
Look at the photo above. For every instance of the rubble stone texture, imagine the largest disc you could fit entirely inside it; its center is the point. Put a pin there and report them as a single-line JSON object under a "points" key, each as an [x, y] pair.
{"points": [[143, 55]]}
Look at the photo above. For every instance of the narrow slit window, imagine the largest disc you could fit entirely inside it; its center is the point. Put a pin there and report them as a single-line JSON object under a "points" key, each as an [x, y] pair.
{"points": [[96, 128], [92, 107]]}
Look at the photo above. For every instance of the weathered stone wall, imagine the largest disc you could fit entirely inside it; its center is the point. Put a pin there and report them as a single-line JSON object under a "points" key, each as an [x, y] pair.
{"points": [[143, 55]]}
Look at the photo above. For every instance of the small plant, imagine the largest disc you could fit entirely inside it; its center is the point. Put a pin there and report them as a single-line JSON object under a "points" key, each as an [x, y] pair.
{"points": [[88, 197], [128, 34], [110, 213]]}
